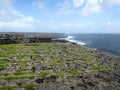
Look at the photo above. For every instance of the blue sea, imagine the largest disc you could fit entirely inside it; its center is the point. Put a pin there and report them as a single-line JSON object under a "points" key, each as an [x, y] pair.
{"points": [[105, 42]]}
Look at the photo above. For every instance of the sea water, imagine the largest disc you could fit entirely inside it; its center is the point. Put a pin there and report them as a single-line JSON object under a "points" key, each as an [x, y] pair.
{"points": [[105, 42]]}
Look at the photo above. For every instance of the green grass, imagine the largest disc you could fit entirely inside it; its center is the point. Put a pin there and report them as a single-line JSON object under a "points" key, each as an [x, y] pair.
{"points": [[8, 87], [60, 74], [29, 86], [87, 61], [8, 49], [21, 72], [3, 58], [28, 55], [90, 61], [26, 87], [5, 74], [45, 73], [100, 68], [72, 72], [18, 77], [3, 65], [63, 73]]}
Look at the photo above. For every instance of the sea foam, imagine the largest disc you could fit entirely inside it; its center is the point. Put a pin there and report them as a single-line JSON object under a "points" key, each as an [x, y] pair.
{"points": [[71, 39]]}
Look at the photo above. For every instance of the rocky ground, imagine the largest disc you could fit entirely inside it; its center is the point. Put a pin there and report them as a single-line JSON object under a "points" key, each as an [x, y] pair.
{"points": [[57, 66]]}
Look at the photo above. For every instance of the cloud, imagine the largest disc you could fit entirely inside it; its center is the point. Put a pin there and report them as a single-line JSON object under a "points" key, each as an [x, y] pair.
{"points": [[23, 22], [40, 4], [66, 25], [91, 7], [108, 23], [97, 6], [92, 2], [65, 7], [76, 25], [6, 2], [11, 19], [112, 2], [78, 3], [85, 7], [82, 7]]}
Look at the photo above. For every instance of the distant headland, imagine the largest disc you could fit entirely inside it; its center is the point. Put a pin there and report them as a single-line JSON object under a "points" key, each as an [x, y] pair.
{"points": [[16, 37]]}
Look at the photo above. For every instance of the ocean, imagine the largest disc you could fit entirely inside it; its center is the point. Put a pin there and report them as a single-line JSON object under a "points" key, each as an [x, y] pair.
{"points": [[106, 42]]}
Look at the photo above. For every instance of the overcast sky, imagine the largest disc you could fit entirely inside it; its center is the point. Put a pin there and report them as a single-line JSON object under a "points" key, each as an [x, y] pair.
{"points": [[67, 16]]}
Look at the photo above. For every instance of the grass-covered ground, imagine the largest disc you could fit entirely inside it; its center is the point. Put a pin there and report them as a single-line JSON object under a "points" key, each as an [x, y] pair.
{"points": [[57, 66]]}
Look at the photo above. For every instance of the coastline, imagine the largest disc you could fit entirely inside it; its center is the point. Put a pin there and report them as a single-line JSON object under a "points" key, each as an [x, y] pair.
{"points": [[71, 39], [107, 43], [57, 66]]}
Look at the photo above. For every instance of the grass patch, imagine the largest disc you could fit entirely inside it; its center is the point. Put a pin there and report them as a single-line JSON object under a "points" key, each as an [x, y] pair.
{"points": [[72, 72], [26, 87], [4, 59], [29, 86], [100, 68], [18, 77], [45, 73], [8, 87], [3, 65], [28, 55], [66, 73], [21, 72], [61, 74], [5, 74], [90, 61]]}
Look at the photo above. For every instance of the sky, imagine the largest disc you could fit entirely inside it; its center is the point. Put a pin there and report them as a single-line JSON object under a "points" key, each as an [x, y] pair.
{"points": [[61, 16]]}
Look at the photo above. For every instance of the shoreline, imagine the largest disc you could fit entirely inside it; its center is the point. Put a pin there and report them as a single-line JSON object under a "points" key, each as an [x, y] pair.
{"points": [[9, 38], [71, 39]]}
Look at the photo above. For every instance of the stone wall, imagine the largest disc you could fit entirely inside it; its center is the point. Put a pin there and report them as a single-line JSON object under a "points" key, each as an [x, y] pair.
{"points": [[38, 40], [21, 38], [11, 38]]}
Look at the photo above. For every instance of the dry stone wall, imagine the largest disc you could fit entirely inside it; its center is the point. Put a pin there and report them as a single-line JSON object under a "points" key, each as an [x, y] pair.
{"points": [[21, 38], [11, 38]]}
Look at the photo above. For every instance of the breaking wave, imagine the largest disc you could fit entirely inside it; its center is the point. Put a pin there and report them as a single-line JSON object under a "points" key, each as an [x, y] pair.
{"points": [[72, 39]]}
